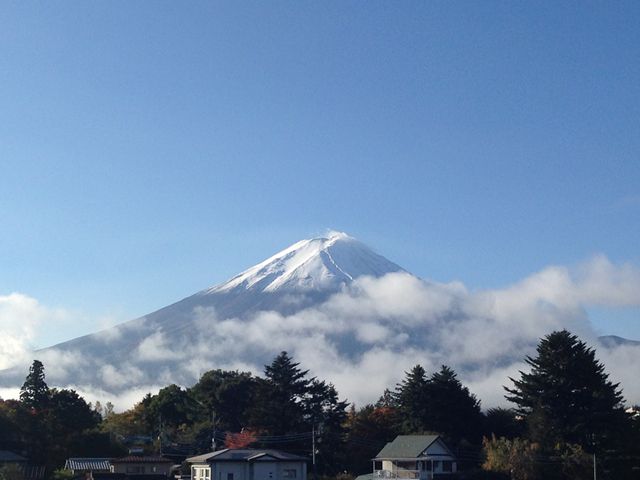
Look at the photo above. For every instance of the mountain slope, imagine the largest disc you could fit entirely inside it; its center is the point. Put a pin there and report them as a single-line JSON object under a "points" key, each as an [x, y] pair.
{"points": [[305, 274]]}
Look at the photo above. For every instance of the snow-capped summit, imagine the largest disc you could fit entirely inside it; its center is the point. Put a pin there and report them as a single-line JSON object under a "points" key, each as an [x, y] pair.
{"points": [[318, 263], [203, 331]]}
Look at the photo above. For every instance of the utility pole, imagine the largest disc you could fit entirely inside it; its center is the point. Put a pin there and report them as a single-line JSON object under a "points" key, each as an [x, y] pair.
{"points": [[593, 445], [213, 430], [313, 451], [160, 435]]}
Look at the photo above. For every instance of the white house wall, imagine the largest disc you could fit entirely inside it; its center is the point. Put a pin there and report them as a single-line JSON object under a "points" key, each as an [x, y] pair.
{"points": [[258, 470], [240, 471], [436, 448]]}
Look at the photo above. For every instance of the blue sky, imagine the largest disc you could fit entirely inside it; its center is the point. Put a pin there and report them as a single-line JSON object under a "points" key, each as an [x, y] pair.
{"points": [[151, 149]]}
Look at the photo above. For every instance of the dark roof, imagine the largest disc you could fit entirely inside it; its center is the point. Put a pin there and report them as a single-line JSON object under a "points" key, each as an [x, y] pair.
{"points": [[88, 464], [245, 455], [9, 457], [407, 446], [141, 459]]}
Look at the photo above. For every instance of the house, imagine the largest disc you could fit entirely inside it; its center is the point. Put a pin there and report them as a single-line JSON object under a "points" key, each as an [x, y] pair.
{"points": [[28, 471], [248, 464], [8, 457], [87, 465], [139, 465], [421, 457]]}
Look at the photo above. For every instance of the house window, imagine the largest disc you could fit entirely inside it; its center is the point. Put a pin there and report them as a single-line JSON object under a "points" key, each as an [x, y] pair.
{"points": [[436, 465], [447, 466], [289, 473], [200, 473], [229, 476]]}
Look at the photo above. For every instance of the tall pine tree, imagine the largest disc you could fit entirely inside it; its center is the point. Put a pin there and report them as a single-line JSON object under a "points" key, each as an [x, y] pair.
{"points": [[35, 392], [411, 398], [279, 409], [567, 396]]}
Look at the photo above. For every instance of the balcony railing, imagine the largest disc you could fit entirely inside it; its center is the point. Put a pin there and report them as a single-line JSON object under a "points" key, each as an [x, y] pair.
{"points": [[403, 474]]}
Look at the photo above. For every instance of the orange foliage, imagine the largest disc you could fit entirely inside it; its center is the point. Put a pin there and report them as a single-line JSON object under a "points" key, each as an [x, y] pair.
{"points": [[240, 440]]}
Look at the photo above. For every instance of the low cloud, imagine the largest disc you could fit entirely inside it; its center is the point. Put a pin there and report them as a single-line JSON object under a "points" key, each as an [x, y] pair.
{"points": [[20, 318], [366, 336]]}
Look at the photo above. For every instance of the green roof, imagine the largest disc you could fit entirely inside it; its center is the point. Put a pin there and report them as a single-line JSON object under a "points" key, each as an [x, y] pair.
{"points": [[407, 446]]}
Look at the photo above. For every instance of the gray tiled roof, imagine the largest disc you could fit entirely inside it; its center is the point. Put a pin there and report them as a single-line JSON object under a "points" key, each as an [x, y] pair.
{"points": [[88, 464], [407, 446], [245, 455], [141, 459]]}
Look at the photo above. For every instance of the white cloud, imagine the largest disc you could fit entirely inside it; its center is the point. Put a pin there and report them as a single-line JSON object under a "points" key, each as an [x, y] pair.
{"points": [[20, 318], [365, 337]]}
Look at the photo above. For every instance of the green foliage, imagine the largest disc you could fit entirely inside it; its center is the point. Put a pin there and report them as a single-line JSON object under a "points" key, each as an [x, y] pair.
{"points": [[502, 422], [62, 474], [516, 457], [326, 413], [452, 409], [171, 408], [230, 394], [34, 392], [11, 471], [411, 398], [567, 396], [129, 422], [438, 404], [280, 409]]}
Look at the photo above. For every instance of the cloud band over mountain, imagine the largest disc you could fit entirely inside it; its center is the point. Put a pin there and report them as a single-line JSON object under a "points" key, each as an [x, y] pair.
{"points": [[359, 329]]}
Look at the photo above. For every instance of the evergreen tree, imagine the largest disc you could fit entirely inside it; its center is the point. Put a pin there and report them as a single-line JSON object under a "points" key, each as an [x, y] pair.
{"points": [[230, 394], [411, 399], [452, 410], [439, 404], [35, 392], [325, 415], [280, 408], [502, 422], [567, 396]]}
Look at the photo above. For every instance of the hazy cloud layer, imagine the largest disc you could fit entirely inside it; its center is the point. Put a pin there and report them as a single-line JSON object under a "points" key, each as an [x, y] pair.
{"points": [[364, 337], [20, 318]]}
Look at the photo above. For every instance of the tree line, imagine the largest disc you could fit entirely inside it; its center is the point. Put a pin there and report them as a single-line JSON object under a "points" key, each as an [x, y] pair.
{"points": [[565, 411]]}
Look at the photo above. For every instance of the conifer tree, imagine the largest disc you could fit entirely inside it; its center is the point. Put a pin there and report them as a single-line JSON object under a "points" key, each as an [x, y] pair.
{"points": [[411, 399], [452, 410], [35, 392], [568, 392], [280, 409]]}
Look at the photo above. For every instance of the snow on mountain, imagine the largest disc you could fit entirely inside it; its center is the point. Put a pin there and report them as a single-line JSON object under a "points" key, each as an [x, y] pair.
{"points": [[323, 263], [305, 274], [353, 318]]}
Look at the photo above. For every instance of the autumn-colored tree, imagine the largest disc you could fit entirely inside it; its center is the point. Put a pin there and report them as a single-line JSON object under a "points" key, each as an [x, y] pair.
{"points": [[515, 457], [242, 439]]}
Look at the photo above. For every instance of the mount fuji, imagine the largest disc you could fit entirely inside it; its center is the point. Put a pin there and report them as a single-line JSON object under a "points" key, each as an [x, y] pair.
{"points": [[178, 342], [350, 316]]}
